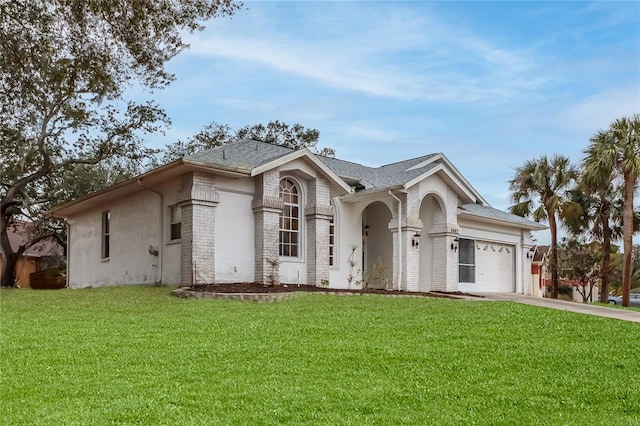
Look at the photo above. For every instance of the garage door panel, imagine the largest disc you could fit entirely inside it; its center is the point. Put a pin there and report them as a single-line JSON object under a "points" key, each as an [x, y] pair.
{"points": [[495, 267]]}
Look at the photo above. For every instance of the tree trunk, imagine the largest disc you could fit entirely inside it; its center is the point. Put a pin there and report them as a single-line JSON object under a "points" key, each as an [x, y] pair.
{"points": [[554, 255], [9, 270], [629, 186], [605, 274], [9, 258]]}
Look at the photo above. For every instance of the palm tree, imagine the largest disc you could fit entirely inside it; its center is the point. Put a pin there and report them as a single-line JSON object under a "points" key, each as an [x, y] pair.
{"points": [[600, 214], [616, 153], [544, 183]]}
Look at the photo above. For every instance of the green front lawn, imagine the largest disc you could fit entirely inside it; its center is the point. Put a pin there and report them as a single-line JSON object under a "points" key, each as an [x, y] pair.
{"points": [[141, 356]]}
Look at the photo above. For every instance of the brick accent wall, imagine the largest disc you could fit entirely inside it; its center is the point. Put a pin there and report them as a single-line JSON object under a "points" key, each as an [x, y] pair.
{"points": [[318, 213], [197, 198], [267, 207], [412, 225], [443, 230], [439, 268]]}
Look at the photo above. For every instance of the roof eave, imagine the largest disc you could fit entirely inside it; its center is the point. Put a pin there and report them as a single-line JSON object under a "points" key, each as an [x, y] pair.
{"points": [[339, 185], [453, 174], [371, 193], [534, 226], [134, 184]]}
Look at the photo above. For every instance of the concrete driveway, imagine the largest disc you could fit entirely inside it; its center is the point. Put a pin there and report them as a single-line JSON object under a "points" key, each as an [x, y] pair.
{"points": [[581, 308]]}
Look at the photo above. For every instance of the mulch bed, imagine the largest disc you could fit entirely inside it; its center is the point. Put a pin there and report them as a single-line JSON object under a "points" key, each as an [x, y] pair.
{"points": [[255, 288]]}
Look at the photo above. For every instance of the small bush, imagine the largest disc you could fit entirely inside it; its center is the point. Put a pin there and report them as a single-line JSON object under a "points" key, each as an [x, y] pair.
{"points": [[565, 290]]}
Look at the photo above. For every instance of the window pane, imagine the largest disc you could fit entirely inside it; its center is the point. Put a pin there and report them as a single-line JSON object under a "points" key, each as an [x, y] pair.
{"points": [[105, 247], [466, 249], [176, 231], [106, 218], [106, 225], [467, 274], [176, 214], [289, 219], [467, 256]]}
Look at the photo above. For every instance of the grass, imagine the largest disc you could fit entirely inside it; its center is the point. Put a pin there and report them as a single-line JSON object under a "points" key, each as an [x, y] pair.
{"points": [[138, 355], [613, 306]]}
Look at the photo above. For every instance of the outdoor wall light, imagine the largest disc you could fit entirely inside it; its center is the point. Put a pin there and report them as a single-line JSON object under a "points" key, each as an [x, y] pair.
{"points": [[415, 241], [531, 252], [365, 230]]}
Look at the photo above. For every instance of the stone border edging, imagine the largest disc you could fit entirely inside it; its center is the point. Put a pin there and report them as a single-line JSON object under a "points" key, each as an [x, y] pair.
{"points": [[185, 293]]}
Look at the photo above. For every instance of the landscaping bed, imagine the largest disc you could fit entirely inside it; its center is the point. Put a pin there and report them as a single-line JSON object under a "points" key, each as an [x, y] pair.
{"points": [[265, 293]]}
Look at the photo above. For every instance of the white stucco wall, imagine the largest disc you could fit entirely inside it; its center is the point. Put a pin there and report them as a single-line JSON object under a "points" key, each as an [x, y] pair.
{"points": [[234, 228], [348, 233], [134, 224]]}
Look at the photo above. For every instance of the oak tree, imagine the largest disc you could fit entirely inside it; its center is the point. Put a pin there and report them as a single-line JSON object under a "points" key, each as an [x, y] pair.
{"points": [[65, 67]]}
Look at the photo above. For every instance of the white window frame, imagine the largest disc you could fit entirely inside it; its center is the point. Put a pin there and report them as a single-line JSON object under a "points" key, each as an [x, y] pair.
{"points": [[105, 249], [333, 247], [175, 218], [471, 266], [289, 220]]}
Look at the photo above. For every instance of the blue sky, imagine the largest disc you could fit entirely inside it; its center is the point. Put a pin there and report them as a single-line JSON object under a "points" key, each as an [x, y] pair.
{"points": [[489, 84]]}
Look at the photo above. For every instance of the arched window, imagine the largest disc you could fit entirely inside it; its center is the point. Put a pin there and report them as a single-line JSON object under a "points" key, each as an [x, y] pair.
{"points": [[289, 218]]}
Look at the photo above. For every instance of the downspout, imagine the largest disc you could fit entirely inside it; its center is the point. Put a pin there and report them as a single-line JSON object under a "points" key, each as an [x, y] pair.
{"points": [[399, 239], [160, 249], [522, 264], [68, 253]]}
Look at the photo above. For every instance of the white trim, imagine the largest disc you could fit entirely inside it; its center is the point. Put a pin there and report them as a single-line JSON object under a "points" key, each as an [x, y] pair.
{"points": [[480, 218], [452, 173], [178, 210], [300, 244], [336, 258], [399, 239], [105, 234], [305, 153]]}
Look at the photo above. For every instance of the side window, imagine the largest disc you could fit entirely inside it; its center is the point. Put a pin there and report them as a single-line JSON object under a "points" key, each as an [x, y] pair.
{"points": [[289, 219], [332, 238], [467, 260], [175, 220], [106, 229]]}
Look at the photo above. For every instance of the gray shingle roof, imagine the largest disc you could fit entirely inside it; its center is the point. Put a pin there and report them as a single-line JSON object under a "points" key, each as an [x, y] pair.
{"points": [[380, 177], [244, 155], [491, 213]]}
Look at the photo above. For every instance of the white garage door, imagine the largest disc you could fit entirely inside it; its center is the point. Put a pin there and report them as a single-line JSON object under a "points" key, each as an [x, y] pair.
{"points": [[494, 268]]}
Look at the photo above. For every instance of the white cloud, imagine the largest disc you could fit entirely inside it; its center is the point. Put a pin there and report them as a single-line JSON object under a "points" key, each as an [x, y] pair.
{"points": [[398, 53], [306, 62]]}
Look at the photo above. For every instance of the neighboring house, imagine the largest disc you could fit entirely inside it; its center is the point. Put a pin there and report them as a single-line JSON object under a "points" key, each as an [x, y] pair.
{"points": [[541, 274], [39, 257], [253, 212]]}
